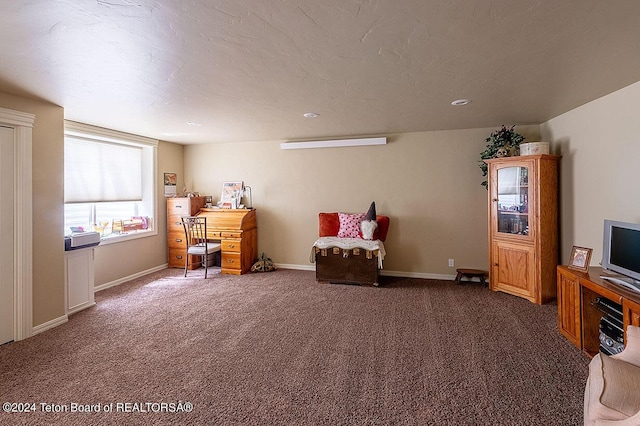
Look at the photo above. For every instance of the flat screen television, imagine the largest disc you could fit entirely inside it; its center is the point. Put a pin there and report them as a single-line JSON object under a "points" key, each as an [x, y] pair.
{"points": [[621, 252]]}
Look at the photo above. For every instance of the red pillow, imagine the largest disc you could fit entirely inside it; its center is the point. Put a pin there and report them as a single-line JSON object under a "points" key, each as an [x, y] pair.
{"points": [[329, 224], [383, 227]]}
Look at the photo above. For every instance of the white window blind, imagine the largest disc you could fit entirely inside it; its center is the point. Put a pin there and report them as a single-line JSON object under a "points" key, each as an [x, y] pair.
{"points": [[97, 171]]}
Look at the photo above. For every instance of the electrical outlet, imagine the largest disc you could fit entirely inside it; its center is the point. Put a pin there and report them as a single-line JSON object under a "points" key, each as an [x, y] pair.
{"points": [[451, 263]]}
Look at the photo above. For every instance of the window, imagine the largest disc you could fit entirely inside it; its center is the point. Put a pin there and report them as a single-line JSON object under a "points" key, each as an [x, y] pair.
{"points": [[109, 182]]}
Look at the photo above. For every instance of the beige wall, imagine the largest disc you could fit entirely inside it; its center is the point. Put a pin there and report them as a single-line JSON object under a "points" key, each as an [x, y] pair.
{"points": [[600, 147], [114, 262], [428, 183], [48, 242]]}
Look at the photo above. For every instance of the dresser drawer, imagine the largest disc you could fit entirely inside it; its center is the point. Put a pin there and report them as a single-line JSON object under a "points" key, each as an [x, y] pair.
{"points": [[176, 239], [231, 234], [177, 256], [179, 207], [174, 223], [231, 246], [230, 260], [214, 235], [217, 234]]}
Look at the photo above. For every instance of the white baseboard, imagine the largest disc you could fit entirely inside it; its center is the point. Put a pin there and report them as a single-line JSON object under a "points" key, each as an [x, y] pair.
{"points": [[383, 272], [297, 267], [423, 275], [49, 324], [129, 278]]}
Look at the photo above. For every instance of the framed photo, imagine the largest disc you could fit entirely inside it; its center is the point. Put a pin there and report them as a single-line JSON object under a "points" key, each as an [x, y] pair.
{"points": [[231, 192], [170, 179], [580, 258]]}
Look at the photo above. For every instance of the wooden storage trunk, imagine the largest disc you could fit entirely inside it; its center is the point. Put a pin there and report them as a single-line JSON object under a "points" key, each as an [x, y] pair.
{"points": [[352, 265], [358, 266]]}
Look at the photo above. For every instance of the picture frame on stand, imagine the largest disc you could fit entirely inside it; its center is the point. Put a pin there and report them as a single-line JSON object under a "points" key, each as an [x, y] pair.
{"points": [[231, 195], [580, 258]]}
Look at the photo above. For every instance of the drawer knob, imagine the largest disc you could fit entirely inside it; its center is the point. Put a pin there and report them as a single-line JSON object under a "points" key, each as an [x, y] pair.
{"points": [[230, 260], [178, 257], [232, 245], [178, 240]]}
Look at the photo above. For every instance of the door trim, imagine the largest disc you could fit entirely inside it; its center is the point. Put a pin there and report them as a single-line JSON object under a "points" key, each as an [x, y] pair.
{"points": [[22, 124]]}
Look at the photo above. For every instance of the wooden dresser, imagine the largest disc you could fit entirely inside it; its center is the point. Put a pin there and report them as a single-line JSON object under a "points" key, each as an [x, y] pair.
{"points": [[237, 230], [177, 247]]}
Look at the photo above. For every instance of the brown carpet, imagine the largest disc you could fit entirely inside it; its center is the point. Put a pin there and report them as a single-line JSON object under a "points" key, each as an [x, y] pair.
{"points": [[279, 348]]}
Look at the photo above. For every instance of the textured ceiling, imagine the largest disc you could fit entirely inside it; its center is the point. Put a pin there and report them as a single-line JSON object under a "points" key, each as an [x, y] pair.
{"points": [[248, 70]]}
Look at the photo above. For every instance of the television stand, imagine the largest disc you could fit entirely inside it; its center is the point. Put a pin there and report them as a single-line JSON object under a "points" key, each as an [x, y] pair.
{"points": [[578, 313]]}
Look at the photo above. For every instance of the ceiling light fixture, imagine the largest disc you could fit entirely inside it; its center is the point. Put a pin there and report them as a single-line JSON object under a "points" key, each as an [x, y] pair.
{"points": [[460, 102], [310, 114], [194, 124], [334, 143]]}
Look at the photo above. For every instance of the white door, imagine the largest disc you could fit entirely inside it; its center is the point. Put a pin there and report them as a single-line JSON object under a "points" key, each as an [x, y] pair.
{"points": [[6, 234]]}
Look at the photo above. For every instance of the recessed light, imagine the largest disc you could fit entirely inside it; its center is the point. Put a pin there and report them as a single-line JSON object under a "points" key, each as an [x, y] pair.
{"points": [[310, 114], [460, 102], [193, 123]]}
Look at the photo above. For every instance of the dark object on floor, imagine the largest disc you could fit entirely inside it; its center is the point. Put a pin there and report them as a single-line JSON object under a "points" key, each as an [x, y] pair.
{"points": [[263, 264], [470, 274]]}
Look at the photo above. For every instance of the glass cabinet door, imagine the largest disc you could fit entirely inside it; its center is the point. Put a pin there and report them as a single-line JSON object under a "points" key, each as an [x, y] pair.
{"points": [[513, 200]]}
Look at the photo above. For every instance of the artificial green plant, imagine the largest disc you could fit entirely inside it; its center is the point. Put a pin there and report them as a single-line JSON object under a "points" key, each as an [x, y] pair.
{"points": [[507, 138]]}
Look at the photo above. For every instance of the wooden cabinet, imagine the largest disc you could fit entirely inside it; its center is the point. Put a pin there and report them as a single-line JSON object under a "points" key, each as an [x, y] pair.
{"points": [[578, 314], [176, 245], [237, 231], [79, 279], [631, 312], [512, 270], [523, 226], [569, 322]]}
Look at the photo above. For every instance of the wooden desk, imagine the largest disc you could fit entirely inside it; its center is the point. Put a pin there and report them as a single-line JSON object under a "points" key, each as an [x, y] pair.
{"points": [[237, 230], [578, 318]]}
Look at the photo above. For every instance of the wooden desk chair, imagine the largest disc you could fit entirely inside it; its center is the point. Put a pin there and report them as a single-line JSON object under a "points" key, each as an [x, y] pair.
{"points": [[195, 231]]}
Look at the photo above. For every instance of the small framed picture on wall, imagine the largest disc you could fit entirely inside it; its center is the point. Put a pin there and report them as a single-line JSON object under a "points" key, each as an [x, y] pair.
{"points": [[580, 258], [170, 181]]}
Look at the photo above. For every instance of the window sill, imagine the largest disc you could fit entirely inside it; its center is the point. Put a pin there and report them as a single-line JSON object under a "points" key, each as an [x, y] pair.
{"points": [[119, 238]]}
